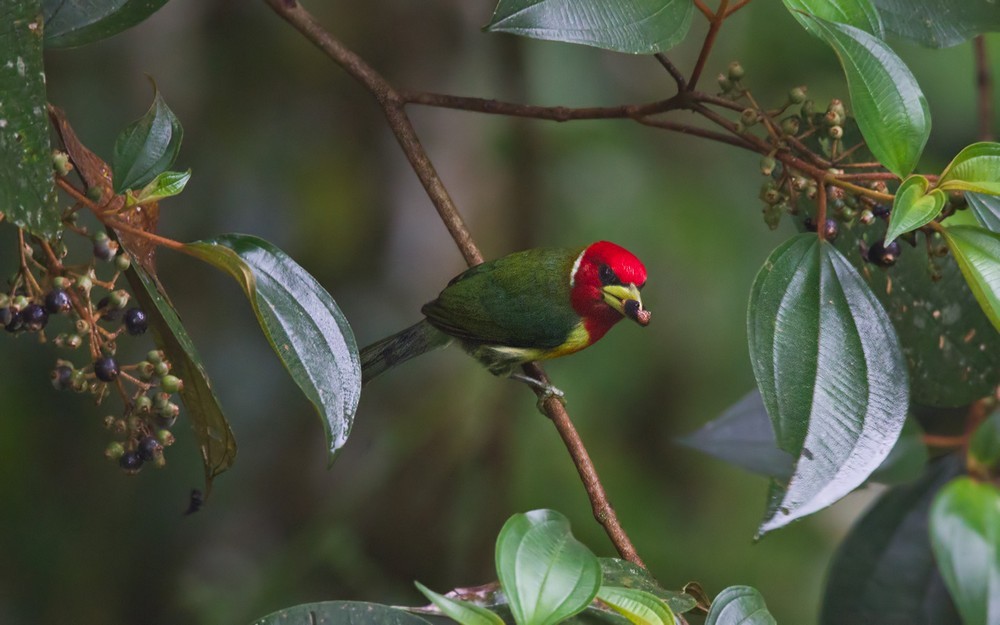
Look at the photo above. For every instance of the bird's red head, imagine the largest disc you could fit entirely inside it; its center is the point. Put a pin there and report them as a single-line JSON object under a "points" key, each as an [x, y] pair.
{"points": [[605, 284]]}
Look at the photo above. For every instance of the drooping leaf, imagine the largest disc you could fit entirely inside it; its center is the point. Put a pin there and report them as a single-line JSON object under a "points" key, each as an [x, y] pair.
{"points": [[638, 606], [617, 572], [302, 323], [858, 13], [986, 208], [215, 437], [939, 23], [914, 207], [965, 536], [886, 100], [167, 184], [978, 254], [27, 192], [632, 26], [341, 613], [739, 605], [884, 571], [907, 459], [976, 168], [461, 611], [830, 370], [984, 448], [545, 572], [69, 24], [147, 147]]}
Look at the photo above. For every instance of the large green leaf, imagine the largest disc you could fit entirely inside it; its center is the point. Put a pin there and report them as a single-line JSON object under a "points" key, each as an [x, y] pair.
{"points": [[215, 437], [884, 572], [638, 606], [633, 26], [830, 370], [886, 100], [984, 447], [545, 572], [939, 23], [76, 23], [27, 194], [341, 613], [978, 254], [986, 208], [739, 605], [858, 13], [147, 147], [302, 323], [965, 535], [617, 572], [976, 168], [914, 207]]}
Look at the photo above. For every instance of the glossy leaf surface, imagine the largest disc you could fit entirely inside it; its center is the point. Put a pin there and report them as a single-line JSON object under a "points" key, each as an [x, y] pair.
{"points": [[632, 26], [986, 208], [27, 193], [739, 605], [302, 323], [976, 168], [545, 572], [858, 13], [965, 536], [939, 23], [215, 437], [76, 23], [617, 572], [147, 147], [167, 184], [830, 371], [341, 613], [884, 571], [984, 448], [460, 611], [914, 207], [638, 606], [977, 252], [886, 100]]}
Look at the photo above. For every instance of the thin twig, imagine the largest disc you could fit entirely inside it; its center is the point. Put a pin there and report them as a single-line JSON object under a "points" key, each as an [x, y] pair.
{"points": [[707, 12], [393, 104], [715, 24], [550, 113], [736, 7], [984, 87], [672, 70]]}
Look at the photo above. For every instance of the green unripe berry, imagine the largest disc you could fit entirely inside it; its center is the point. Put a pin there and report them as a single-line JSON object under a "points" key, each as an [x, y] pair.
{"points": [[61, 282], [724, 83], [114, 450], [60, 163], [84, 284], [171, 384], [145, 370], [160, 401], [797, 95], [161, 368], [866, 217], [95, 194], [770, 193], [122, 262], [118, 299], [109, 421], [20, 302], [808, 108], [791, 125], [735, 71], [165, 437], [832, 118], [749, 117], [836, 106], [836, 132], [767, 165], [155, 355], [143, 404]]}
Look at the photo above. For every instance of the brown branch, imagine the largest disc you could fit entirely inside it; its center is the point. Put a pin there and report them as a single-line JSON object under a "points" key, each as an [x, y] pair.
{"points": [[550, 113], [736, 7], [393, 104], [672, 70], [715, 24], [984, 87], [707, 12]]}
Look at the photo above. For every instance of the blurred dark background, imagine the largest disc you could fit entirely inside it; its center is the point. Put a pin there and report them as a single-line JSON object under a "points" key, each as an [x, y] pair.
{"points": [[284, 145]]}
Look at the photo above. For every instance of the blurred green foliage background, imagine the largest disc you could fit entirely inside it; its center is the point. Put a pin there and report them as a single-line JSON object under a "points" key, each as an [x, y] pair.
{"points": [[286, 146]]}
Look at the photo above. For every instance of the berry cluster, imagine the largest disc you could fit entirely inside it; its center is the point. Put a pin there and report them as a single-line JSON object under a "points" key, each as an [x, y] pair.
{"points": [[96, 314]]}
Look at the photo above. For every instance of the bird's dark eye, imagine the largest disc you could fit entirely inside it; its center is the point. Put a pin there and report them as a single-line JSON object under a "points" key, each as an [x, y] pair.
{"points": [[607, 276]]}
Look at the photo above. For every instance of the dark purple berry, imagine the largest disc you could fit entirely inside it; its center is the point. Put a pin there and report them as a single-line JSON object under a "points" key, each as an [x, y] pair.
{"points": [[106, 369], [149, 448], [62, 377], [135, 321], [880, 210], [16, 322], [884, 255], [57, 301], [809, 224], [131, 461], [831, 229], [34, 317]]}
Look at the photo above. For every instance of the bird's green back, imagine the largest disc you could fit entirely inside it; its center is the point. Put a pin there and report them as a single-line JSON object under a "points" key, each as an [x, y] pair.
{"points": [[520, 300]]}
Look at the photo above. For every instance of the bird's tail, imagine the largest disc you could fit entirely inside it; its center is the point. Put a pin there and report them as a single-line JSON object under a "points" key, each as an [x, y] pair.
{"points": [[383, 355]]}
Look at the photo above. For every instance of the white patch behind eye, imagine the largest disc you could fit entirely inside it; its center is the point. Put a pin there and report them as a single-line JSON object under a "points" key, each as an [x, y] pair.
{"points": [[576, 267]]}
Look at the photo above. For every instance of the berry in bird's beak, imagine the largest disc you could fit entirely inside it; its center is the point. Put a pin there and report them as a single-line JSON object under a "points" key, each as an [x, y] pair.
{"points": [[633, 310]]}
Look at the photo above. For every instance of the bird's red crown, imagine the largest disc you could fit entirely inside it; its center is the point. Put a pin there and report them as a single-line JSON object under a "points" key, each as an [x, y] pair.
{"points": [[599, 265]]}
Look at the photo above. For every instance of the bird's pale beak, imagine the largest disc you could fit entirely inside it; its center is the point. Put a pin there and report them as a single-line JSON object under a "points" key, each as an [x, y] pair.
{"points": [[627, 301]]}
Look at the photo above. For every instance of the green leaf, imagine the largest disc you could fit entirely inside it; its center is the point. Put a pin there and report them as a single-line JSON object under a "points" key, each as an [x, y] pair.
{"points": [[638, 606], [965, 535], [215, 437], [341, 613], [302, 323], [461, 611], [739, 605], [858, 13], [978, 254], [884, 571], [984, 447], [939, 23], [632, 26], [907, 459], [976, 168], [830, 370], [986, 208], [167, 184], [546, 574], [69, 24], [914, 207], [617, 572], [27, 192], [887, 101], [147, 147]]}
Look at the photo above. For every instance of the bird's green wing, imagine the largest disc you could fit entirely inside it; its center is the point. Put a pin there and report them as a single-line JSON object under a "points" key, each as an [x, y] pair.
{"points": [[520, 300]]}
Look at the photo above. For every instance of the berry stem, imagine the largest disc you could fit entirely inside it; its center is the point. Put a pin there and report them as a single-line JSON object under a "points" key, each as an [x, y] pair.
{"points": [[715, 23]]}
